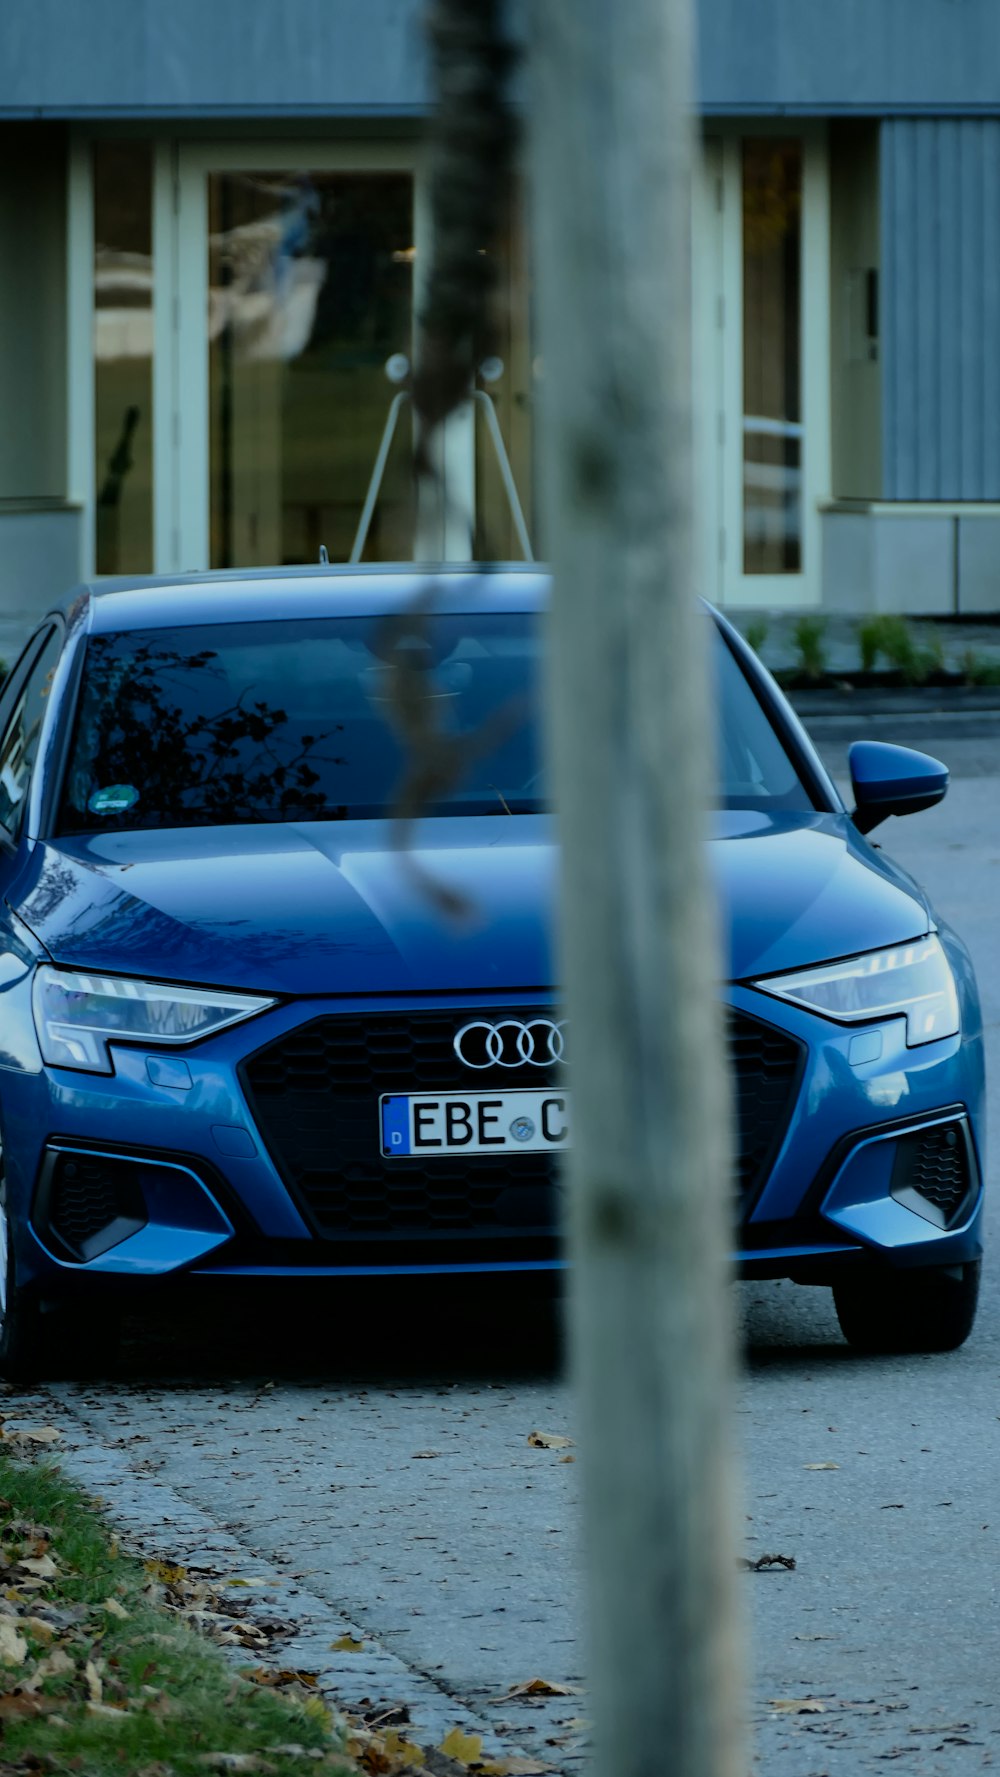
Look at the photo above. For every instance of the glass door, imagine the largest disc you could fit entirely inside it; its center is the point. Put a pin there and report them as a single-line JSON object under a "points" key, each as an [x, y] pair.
{"points": [[310, 292], [295, 272], [773, 364]]}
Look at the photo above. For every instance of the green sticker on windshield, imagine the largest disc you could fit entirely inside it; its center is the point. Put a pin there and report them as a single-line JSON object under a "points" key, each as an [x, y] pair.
{"points": [[115, 799]]}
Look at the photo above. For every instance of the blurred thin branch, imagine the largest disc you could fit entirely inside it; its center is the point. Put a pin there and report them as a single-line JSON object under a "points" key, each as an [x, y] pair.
{"points": [[471, 153]]}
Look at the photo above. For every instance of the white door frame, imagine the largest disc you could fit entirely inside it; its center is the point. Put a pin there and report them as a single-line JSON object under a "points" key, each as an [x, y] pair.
{"points": [[81, 473], [181, 489], [722, 194], [707, 311]]}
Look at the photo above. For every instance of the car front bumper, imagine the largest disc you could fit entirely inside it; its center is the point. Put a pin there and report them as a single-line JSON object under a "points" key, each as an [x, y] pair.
{"points": [[204, 1195]]}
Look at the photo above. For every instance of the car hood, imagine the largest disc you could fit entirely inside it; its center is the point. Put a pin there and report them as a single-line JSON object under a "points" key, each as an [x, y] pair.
{"points": [[323, 908]]}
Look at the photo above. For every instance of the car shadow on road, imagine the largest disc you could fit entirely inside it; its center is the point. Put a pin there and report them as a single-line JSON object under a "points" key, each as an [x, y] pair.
{"points": [[424, 1331], [312, 1332]]}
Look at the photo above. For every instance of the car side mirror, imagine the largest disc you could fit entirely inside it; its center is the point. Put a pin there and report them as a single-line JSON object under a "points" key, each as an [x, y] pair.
{"points": [[892, 780]]}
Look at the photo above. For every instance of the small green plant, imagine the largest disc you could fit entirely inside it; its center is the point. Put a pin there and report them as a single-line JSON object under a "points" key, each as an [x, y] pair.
{"points": [[809, 636], [977, 670], [756, 633], [891, 637]]}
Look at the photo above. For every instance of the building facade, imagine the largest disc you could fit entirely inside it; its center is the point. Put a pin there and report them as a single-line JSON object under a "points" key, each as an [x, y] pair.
{"points": [[213, 222]]}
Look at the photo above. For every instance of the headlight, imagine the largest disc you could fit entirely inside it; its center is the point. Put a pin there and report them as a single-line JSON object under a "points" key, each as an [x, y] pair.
{"points": [[911, 981], [77, 1015]]}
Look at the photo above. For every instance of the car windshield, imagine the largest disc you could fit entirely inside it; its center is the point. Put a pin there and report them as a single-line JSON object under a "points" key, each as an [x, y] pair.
{"points": [[332, 718], [341, 718]]}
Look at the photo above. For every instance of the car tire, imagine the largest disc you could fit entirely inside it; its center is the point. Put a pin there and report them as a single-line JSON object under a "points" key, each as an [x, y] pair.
{"points": [[39, 1344], [900, 1311], [20, 1333]]}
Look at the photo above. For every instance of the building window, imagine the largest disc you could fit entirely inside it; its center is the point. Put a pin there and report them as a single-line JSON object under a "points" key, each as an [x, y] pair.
{"points": [[310, 292], [123, 357], [772, 356]]}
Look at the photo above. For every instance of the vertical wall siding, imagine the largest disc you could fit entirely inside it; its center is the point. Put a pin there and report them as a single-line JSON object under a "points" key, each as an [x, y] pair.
{"points": [[940, 321]]}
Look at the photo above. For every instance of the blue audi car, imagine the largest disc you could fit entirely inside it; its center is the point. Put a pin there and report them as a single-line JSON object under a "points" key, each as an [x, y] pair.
{"points": [[276, 981]]}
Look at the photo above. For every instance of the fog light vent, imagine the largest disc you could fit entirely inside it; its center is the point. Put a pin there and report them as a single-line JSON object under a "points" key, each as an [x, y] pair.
{"points": [[88, 1203], [932, 1173]]}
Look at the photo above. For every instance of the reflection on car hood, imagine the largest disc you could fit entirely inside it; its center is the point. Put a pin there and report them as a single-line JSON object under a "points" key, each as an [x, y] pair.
{"points": [[336, 908]]}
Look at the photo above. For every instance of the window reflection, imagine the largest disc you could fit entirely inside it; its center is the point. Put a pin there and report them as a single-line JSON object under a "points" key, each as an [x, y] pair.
{"points": [[19, 746], [772, 356], [310, 277], [123, 356]]}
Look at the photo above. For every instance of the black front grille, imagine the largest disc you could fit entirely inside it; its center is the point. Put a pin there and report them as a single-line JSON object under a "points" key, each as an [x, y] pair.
{"points": [[315, 1097], [932, 1173], [315, 1092], [766, 1067]]}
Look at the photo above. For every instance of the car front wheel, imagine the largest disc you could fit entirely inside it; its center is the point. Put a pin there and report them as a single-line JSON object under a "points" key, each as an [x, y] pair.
{"points": [[899, 1311], [20, 1334], [38, 1345]]}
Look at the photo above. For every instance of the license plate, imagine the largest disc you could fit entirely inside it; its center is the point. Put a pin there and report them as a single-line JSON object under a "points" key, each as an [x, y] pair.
{"points": [[458, 1123]]}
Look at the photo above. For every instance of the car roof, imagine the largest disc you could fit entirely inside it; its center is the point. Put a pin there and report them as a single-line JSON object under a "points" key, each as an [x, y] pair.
{"points": [[265, 594]]}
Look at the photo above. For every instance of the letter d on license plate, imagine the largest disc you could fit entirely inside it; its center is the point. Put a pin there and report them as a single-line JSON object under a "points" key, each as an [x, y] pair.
{"points": [[473, 1123]]}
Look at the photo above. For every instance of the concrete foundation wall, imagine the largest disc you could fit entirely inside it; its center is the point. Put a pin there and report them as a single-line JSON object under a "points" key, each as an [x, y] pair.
{"points": [[924, 564], [40, 548]]}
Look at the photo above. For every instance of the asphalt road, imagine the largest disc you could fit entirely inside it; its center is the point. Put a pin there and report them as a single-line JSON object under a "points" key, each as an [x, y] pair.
{"points": [[389, 1465]]}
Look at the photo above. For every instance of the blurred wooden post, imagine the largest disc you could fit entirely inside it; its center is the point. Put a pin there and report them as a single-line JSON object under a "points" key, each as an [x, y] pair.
{"points": [[609, 89]]}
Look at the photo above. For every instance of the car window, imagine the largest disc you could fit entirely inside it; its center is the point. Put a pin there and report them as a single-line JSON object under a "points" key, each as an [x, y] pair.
{"points": [[306, 719], [25, 712], [755, 771]]}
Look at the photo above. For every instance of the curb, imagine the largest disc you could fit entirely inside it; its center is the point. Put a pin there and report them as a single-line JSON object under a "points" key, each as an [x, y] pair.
{"points": [[962, 703], [155, 1520]]}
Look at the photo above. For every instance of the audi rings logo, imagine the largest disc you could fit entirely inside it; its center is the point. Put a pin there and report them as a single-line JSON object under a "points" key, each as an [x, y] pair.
{"points": [[510, 1043]]}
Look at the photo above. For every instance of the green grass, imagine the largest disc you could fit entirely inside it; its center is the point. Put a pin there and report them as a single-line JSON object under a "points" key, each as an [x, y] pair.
{"points": [[167, 1694]]}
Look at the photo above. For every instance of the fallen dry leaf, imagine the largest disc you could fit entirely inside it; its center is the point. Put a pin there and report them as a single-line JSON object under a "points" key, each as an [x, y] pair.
{"points": [[819, 1465], [114, 1609], [465, 1749], [424, 1455], [13, 1647], [165, 1572], [538, 1687], [55, 1664], [95, 1684], [797, 1705], [14, 1704], [404, 1751], [107, 1711], [763, 1562], [346, 1644], [274, 1679], [31, 1434], [549, 1440], [42, 1566]]}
